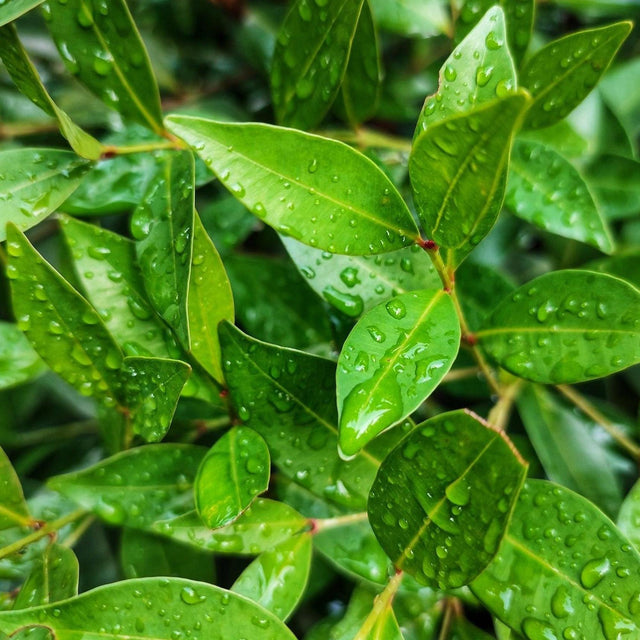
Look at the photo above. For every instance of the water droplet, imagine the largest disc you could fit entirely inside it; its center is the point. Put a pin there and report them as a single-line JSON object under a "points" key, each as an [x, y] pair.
{"points": [[396, 309], [188, 595], [594, 571]]}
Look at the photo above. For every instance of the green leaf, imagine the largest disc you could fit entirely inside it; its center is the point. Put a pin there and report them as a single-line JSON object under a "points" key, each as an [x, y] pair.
{"points": [[413, 18], [461, 629], [355, 284], [629, 515], [100, 44], [209, 301], [615, 182], [568, 448], [231, 475], [624, 265], [15, 8], [62, 326], [622, 102], [53, 578], [479, 70], [310, 58], [18, 361], [519, 21], [565, 327], [458, 170], [443, 497], [263, 526], [277, 579], [27, 79], [152, 388], [573, 571], [137, 487], [393, 359], [163, 226], [561, 74], [13, 508], [316, 190], [100, 613], [35, 182], [548, 191]]}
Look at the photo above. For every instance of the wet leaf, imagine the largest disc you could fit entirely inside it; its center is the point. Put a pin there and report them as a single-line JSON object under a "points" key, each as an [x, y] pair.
{"points": [[99, 612], [13, 508], [560, 75], [393, 359], [629, 515], [277, 579], [15, 8], [624, 265], [458, 170], [19, 363], [429, 505], [100, 44], [414, 18], [548, 191], [234, 471], [574, 572], [310, 59], [316, 190], [564, 327], [479, 70]]}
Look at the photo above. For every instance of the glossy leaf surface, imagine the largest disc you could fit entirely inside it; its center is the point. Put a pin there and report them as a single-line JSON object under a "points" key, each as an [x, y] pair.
{"points": [[18, 361], [231, 475], [415, 18], [276, 579], [548, 191], [100, 44], [564, 327], [310, 58], [99, 613], [13, 508], [629, 516], [429, 505], [393, 359], [575, 572], [35, 182], [560, 75], [15, 8], [316, 190], [479, 70], [458, 171]]}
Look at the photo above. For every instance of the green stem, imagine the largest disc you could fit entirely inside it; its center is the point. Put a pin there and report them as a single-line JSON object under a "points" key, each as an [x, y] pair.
{"points": [[451, 609], [322, 524], [461, 374], [64, 432], [382, 602], [114, 150], [365, 138], [79, 531], [501, 411], [16, 129]]}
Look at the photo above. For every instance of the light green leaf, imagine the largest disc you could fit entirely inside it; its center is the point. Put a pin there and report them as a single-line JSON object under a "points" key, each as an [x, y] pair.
{"points": [[392, 360], [479, 70], [565, 583], [622, 102], [629, 515], [319, 191], [18, 361], [100, 44], [231, 475], [277, 579], [548, 191], [564, 327], [413, 18], [15, 8], [13, 508], [100, 613], [442, 498], [561, 74], [458, 170], [310, 58], [27, 79], [35, 182]]}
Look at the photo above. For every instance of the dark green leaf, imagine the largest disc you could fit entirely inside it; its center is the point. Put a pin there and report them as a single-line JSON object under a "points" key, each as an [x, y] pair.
{"points": [[574, 573], [393, 359], [565, 327], [415, 18], [615, 182], [184, 602], [629, 516], [310, 59], [561, 74], [18, 361], [462, 629], [13, 508], [442, 498], [15, 8], [100, 44], [319, 191], [624, 265]]}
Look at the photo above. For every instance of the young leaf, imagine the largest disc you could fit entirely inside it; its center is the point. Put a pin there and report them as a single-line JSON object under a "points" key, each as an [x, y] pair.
{"points": [[561, 74], [546, 190], [277, 579], [479, 70], [100, 613], [15, 8], [27, 79], [443, 497], [152, 388], [231, 475], [565, 581], [62, 326], [564, 327], [413, 18], [310, 58], [13, 508], [458, 171], [629, 515], [34, 183], [100, 44], [392, 360], [319, 191], [136, 487], [18, 361]]}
